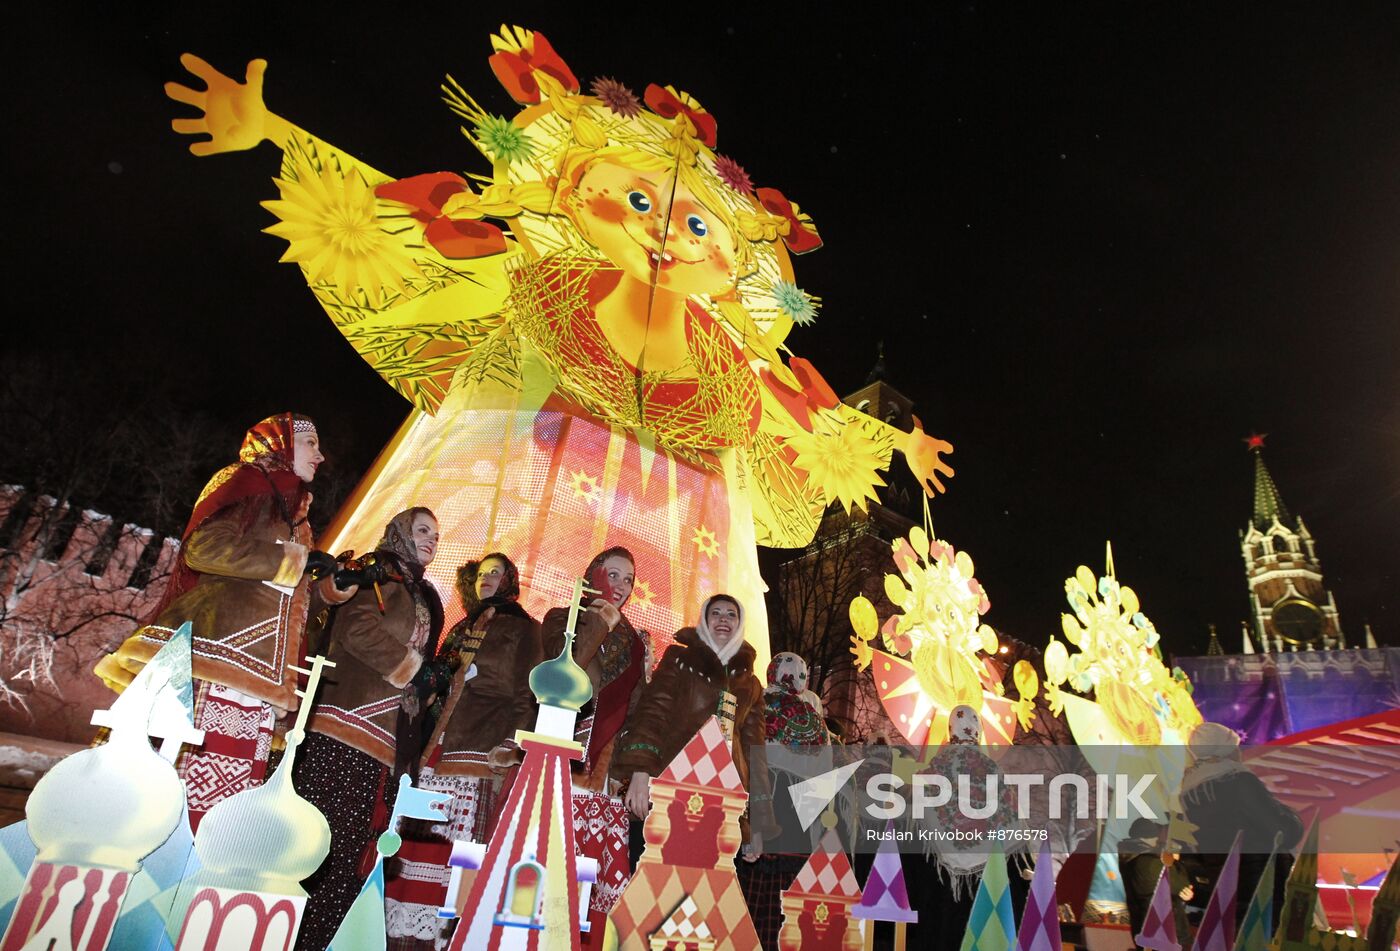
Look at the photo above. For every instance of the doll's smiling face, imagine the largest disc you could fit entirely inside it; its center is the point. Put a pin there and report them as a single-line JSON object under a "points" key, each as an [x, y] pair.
{"points": [[624, 213]]}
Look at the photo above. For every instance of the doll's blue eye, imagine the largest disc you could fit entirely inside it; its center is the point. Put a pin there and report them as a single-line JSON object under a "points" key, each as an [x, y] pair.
{"points": [[697, 226], [639, 201]]}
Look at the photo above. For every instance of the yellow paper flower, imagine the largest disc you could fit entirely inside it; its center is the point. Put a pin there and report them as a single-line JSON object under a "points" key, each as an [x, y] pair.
{"points": [[586, 487], [841, 459], [332, 228]]}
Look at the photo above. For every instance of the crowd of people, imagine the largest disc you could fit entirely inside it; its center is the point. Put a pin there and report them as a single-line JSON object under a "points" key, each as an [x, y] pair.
{"points": [[444, 707], [406, 697]]}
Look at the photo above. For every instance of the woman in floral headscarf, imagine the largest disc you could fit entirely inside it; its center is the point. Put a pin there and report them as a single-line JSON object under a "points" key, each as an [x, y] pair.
{"points": [[240, 572], [961, 861], [793, 717], [793, 714], [491, 651], [368, 722]]}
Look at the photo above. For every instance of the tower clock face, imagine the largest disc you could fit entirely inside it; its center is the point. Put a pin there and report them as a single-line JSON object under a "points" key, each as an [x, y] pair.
{"points": [[1297, 621]]}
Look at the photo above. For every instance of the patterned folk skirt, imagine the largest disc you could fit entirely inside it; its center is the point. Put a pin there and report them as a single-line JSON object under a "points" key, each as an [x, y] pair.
{"points": [[415, 881], [763, 883], [600, 832], [237, 740]]}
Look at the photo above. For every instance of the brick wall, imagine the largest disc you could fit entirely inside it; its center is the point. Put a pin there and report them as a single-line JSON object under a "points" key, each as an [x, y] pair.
{"points": [[73, 584]]}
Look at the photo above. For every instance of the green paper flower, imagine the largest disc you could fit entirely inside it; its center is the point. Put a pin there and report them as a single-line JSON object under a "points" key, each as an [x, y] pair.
{"points": [[795, 302], [503, 139]]}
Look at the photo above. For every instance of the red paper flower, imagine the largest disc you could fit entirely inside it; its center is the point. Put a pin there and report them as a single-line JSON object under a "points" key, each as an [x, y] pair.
{"points": [[802, 233], [617, 97], [732, 174]]}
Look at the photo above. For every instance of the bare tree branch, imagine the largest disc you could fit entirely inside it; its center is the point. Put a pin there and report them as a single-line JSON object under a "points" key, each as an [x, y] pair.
{"points": [[809, 612]]}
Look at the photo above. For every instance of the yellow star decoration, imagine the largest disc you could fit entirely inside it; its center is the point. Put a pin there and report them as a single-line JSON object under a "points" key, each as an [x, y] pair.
{"points": [[841, 458], [705, 542], [586, 488], [642, 595], [1117, 660], [331, 223], [939, 627], [694, 805]]}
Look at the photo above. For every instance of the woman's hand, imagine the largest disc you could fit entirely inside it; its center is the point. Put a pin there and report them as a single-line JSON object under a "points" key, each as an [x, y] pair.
{"points": [[502, 758], [235, 117], [1187, 893], [607, 611], [638, 796], [332, 594]]}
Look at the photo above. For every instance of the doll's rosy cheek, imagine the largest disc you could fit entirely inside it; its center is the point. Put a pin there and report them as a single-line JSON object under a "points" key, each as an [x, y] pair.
{"points": [[602, 208]]}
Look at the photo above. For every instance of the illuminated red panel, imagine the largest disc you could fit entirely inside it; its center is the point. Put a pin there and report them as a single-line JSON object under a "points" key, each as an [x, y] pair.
{"points": [[550, 489]]}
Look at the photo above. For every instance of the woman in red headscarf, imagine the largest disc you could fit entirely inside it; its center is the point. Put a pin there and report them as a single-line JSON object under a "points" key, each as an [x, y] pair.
{"points": [[240, 581], [617, 658]]}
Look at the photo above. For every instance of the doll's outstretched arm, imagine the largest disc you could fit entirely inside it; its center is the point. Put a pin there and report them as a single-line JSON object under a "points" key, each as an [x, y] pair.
{"points": [[813, 395], [236, 118], [411, 311]]}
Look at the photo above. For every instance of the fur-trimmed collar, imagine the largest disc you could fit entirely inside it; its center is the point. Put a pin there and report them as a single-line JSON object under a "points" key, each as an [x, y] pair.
{"points": [[700, 658]]}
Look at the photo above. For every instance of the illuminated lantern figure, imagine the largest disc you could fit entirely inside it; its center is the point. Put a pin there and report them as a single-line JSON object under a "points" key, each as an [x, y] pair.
{"points": [[938, 640], [602, 366], [820, 909]]}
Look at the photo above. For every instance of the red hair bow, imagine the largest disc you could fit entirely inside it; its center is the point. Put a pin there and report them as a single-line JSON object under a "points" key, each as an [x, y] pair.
{"points": [[802, 235], [426, 194], [513, 69], [668, 105]]}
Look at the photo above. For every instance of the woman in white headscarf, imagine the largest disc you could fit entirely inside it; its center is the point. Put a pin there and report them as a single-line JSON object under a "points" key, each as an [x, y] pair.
{"points": [[707, 671]]}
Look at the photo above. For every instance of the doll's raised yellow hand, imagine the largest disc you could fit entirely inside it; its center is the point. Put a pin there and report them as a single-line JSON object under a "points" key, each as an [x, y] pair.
{"points": [[235, 117], [921, 452]]}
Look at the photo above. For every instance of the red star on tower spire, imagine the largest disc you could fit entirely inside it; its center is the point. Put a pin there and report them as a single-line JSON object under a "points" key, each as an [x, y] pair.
{"points": [[1255, 441]]}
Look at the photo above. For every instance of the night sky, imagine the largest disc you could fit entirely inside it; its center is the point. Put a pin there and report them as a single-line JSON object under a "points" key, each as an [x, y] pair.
{"points": [[1101, 244]]}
